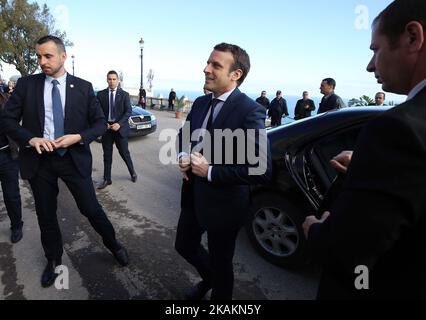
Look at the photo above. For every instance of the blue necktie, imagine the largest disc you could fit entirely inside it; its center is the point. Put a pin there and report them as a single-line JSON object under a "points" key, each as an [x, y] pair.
{"points": [[58, 115], [111, 106]]}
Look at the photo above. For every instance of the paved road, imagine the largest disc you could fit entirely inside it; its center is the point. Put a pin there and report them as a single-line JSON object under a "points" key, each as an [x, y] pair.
{"points": [[145, 215]]}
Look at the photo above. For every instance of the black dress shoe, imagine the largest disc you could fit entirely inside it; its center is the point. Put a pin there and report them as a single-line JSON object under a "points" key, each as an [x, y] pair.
{"points": [[49, 276], [104, 184], [16, 235], [121, 256], [134, 177], [198, 292]]}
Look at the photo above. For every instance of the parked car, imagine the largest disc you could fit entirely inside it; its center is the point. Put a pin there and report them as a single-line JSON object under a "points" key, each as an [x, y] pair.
{"points": [[141, 122], [302, 175]]}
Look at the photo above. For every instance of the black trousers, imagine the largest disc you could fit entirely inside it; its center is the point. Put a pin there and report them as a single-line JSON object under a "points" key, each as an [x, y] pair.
{"points": [[215, 266], [45, 190], [276, 121], [108, 140], [9, 177]]}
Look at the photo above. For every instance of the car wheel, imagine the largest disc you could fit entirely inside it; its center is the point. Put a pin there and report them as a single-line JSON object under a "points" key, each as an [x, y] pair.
{"points": [[275, 230]]}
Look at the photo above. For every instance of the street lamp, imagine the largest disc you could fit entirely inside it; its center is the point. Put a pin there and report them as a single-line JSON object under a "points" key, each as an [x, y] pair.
{"points": [[141, 43], [72, 57]]}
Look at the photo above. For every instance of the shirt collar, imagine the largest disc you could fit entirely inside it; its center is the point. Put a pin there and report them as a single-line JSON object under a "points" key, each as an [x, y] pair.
{"points": [[420, 86], [62, 79], [225, 96]]}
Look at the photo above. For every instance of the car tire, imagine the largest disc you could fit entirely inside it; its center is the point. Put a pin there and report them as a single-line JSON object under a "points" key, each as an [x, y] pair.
{"points": [[275, 230]]}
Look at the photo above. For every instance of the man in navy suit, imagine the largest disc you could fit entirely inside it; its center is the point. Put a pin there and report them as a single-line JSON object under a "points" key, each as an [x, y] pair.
{"points": [[215, 195], [115, 103], [60, 118], [373, 242]]}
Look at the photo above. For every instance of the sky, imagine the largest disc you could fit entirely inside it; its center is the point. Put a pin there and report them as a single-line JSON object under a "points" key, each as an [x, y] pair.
{"points": [[293, 45]]}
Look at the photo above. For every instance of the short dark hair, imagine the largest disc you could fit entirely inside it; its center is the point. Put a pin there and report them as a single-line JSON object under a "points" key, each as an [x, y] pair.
{"points": [[278, 92], [393, 20], [112, 72], [384, 95], [330, 82], [58, 41], [241, 58]]}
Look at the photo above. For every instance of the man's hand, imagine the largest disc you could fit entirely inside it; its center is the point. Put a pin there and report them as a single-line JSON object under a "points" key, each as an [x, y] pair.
{"points": [[200, 165], [67, 141], [41, 144], [309, 221], [342, 161], [115, 127], [184, 166]]}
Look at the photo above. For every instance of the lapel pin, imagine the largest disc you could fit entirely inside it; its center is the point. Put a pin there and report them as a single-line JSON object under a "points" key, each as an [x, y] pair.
{"points": [[71, 86]]}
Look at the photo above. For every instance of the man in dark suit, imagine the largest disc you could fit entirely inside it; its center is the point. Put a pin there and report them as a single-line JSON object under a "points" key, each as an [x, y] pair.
{"points": [[263, 100], [330, 101], [277, 109], [215, 195], [115, 103], [172, 99], [60, 117], [373, 243], [304, 107], [9, 177]]}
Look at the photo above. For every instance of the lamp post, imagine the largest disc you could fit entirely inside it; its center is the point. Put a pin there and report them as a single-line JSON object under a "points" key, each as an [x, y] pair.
{"points": [[72, 57], [141, 43]]}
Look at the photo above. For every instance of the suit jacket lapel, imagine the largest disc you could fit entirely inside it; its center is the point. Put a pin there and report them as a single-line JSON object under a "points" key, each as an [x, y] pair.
{"points": [[69, 96], [40, 99], [202, 113], [227, 108]]}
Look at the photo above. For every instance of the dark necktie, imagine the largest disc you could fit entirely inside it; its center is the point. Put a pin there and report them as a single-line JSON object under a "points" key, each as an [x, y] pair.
{"points": [[213, 105], [58, 115], [111, 106]]}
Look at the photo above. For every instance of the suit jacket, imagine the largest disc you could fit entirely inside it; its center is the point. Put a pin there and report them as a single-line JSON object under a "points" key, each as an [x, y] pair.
{"points": [[333, 102], [379, 218], [83, 115], [278, 108], [300, 112], [123, 109], [225, 200]]}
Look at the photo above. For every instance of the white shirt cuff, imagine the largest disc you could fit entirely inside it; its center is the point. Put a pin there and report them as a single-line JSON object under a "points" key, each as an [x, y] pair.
{"points": [[209, 175]]}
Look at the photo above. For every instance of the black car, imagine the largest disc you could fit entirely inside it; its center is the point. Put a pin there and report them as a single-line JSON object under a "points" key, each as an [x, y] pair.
{"points": [[141, 122], [302, 175]]}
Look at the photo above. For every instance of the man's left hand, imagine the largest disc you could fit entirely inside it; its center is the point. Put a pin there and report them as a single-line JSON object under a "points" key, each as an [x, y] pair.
{"points": [[67, 141], [200, 165], [115, 127], [309, 221]]}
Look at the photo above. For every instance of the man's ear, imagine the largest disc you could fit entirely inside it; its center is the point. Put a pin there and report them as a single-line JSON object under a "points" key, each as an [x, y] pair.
{"points": [[414, 36], [236, 74]]}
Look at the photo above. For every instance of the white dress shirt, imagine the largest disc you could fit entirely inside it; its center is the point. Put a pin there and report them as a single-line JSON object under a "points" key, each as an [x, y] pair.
{"points": [[49, 127], [416, 90]]}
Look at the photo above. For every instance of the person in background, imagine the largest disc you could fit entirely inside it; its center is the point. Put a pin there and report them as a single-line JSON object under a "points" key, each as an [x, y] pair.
{"points": [[277, 109], [380, 99], [172, 99], [304, 107], [263, 100], [330, 101], [10, 87], [115, 103]]}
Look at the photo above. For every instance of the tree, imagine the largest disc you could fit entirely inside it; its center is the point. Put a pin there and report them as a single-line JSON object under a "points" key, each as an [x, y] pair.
{"points": [[362, 101], [21, 25]]}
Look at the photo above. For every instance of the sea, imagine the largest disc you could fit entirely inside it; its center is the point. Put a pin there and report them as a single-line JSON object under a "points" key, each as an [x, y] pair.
{"points": [[291, 100]]}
